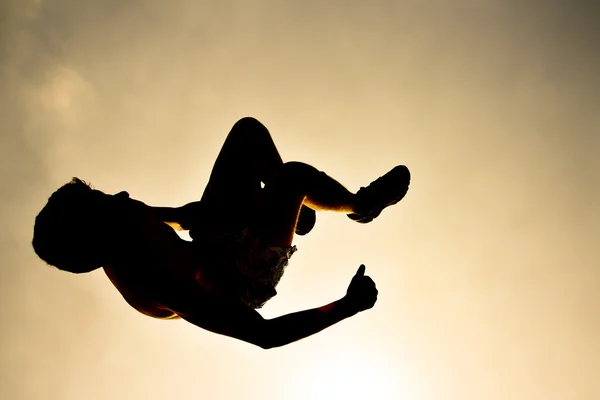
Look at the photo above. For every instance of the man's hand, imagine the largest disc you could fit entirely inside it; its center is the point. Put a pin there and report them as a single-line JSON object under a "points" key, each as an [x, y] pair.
{"points": [[362, 293]]}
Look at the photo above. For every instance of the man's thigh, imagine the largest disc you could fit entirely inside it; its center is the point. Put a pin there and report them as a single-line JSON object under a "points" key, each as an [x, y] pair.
{"points": [[232, 200]]}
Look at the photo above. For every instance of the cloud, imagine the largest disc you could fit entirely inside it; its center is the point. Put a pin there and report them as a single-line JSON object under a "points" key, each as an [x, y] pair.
{"points": [[64, 94]]}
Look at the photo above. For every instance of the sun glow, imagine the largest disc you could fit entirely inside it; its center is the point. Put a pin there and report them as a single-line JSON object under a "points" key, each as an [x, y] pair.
{"points": [[355, 375]]}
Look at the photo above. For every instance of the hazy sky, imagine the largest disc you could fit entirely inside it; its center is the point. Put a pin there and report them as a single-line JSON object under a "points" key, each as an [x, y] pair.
{"points": [[488, 271]]}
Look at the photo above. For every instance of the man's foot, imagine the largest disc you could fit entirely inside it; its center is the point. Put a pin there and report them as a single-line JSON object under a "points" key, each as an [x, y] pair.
{"points": [[383, 192], [306, 221]]}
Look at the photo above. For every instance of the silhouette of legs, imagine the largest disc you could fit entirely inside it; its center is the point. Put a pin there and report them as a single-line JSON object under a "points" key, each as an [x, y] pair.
{"points": [[247, 158], [296, 184], [234, 193], [234, 199]]}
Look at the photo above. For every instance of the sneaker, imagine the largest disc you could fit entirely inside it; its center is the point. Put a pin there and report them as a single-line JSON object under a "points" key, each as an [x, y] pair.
{"points": [[383, 192]]}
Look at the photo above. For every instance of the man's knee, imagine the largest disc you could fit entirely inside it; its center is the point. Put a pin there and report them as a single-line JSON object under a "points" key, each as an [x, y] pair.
{"points": [[250, 134], [249, 125]]}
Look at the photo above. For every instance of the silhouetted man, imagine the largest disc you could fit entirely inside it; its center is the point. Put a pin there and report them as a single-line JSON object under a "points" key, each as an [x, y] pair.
{"points": [[242, 240]]}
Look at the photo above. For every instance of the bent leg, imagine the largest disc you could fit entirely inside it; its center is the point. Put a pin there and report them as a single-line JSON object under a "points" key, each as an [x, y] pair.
{"points": [[297, 184], [300, 183], [234, 193], [248, 156]]}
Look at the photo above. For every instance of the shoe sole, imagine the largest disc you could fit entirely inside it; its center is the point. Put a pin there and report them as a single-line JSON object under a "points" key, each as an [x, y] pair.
{"points": [[366, 219]]}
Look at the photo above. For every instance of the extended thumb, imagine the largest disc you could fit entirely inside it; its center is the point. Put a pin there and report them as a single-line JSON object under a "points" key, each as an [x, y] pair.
{"points": [[361, 270]]}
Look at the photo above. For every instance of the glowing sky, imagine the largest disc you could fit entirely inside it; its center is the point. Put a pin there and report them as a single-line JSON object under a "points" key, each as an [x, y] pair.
{"points": [[488, 271]]}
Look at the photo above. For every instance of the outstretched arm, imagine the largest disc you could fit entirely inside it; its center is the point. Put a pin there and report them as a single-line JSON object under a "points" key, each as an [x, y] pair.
{"points": [[240, 321], [244, 323]]}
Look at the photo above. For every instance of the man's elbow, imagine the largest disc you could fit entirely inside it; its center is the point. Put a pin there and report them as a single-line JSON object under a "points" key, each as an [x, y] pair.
{"points": [[265, 342], [265, 345], [268, 339]]}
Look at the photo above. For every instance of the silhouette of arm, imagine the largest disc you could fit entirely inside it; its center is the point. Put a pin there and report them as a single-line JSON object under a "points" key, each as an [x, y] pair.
{"points": [[237, 320]]}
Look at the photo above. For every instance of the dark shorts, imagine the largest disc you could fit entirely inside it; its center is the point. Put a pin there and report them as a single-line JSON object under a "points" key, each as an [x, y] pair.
{"points": [[236, 262], [243, 266]]}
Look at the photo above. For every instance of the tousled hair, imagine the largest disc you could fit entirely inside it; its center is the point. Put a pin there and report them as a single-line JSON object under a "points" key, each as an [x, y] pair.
{"points": [[62, 234]]}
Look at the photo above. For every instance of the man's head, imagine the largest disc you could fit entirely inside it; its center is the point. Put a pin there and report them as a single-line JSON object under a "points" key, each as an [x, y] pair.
{"points": [[71, 231]]}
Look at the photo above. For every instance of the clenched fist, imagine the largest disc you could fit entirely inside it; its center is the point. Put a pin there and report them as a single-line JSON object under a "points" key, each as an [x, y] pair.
{"points": [[362, 293]]}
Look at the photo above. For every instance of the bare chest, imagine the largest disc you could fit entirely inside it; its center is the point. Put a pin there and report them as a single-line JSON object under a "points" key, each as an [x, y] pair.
{"points": [[152, 271]]}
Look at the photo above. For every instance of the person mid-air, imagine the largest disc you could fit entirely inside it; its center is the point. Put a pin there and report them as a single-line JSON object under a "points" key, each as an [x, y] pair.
{"points": [[242, 231]]}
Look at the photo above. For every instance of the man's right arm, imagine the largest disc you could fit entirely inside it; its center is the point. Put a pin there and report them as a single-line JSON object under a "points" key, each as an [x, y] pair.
{"points": [[242, 322]]}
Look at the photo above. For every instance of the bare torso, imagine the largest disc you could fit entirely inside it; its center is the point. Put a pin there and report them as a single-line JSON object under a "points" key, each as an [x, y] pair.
{"points": [[159, 255], [137, 298]]}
